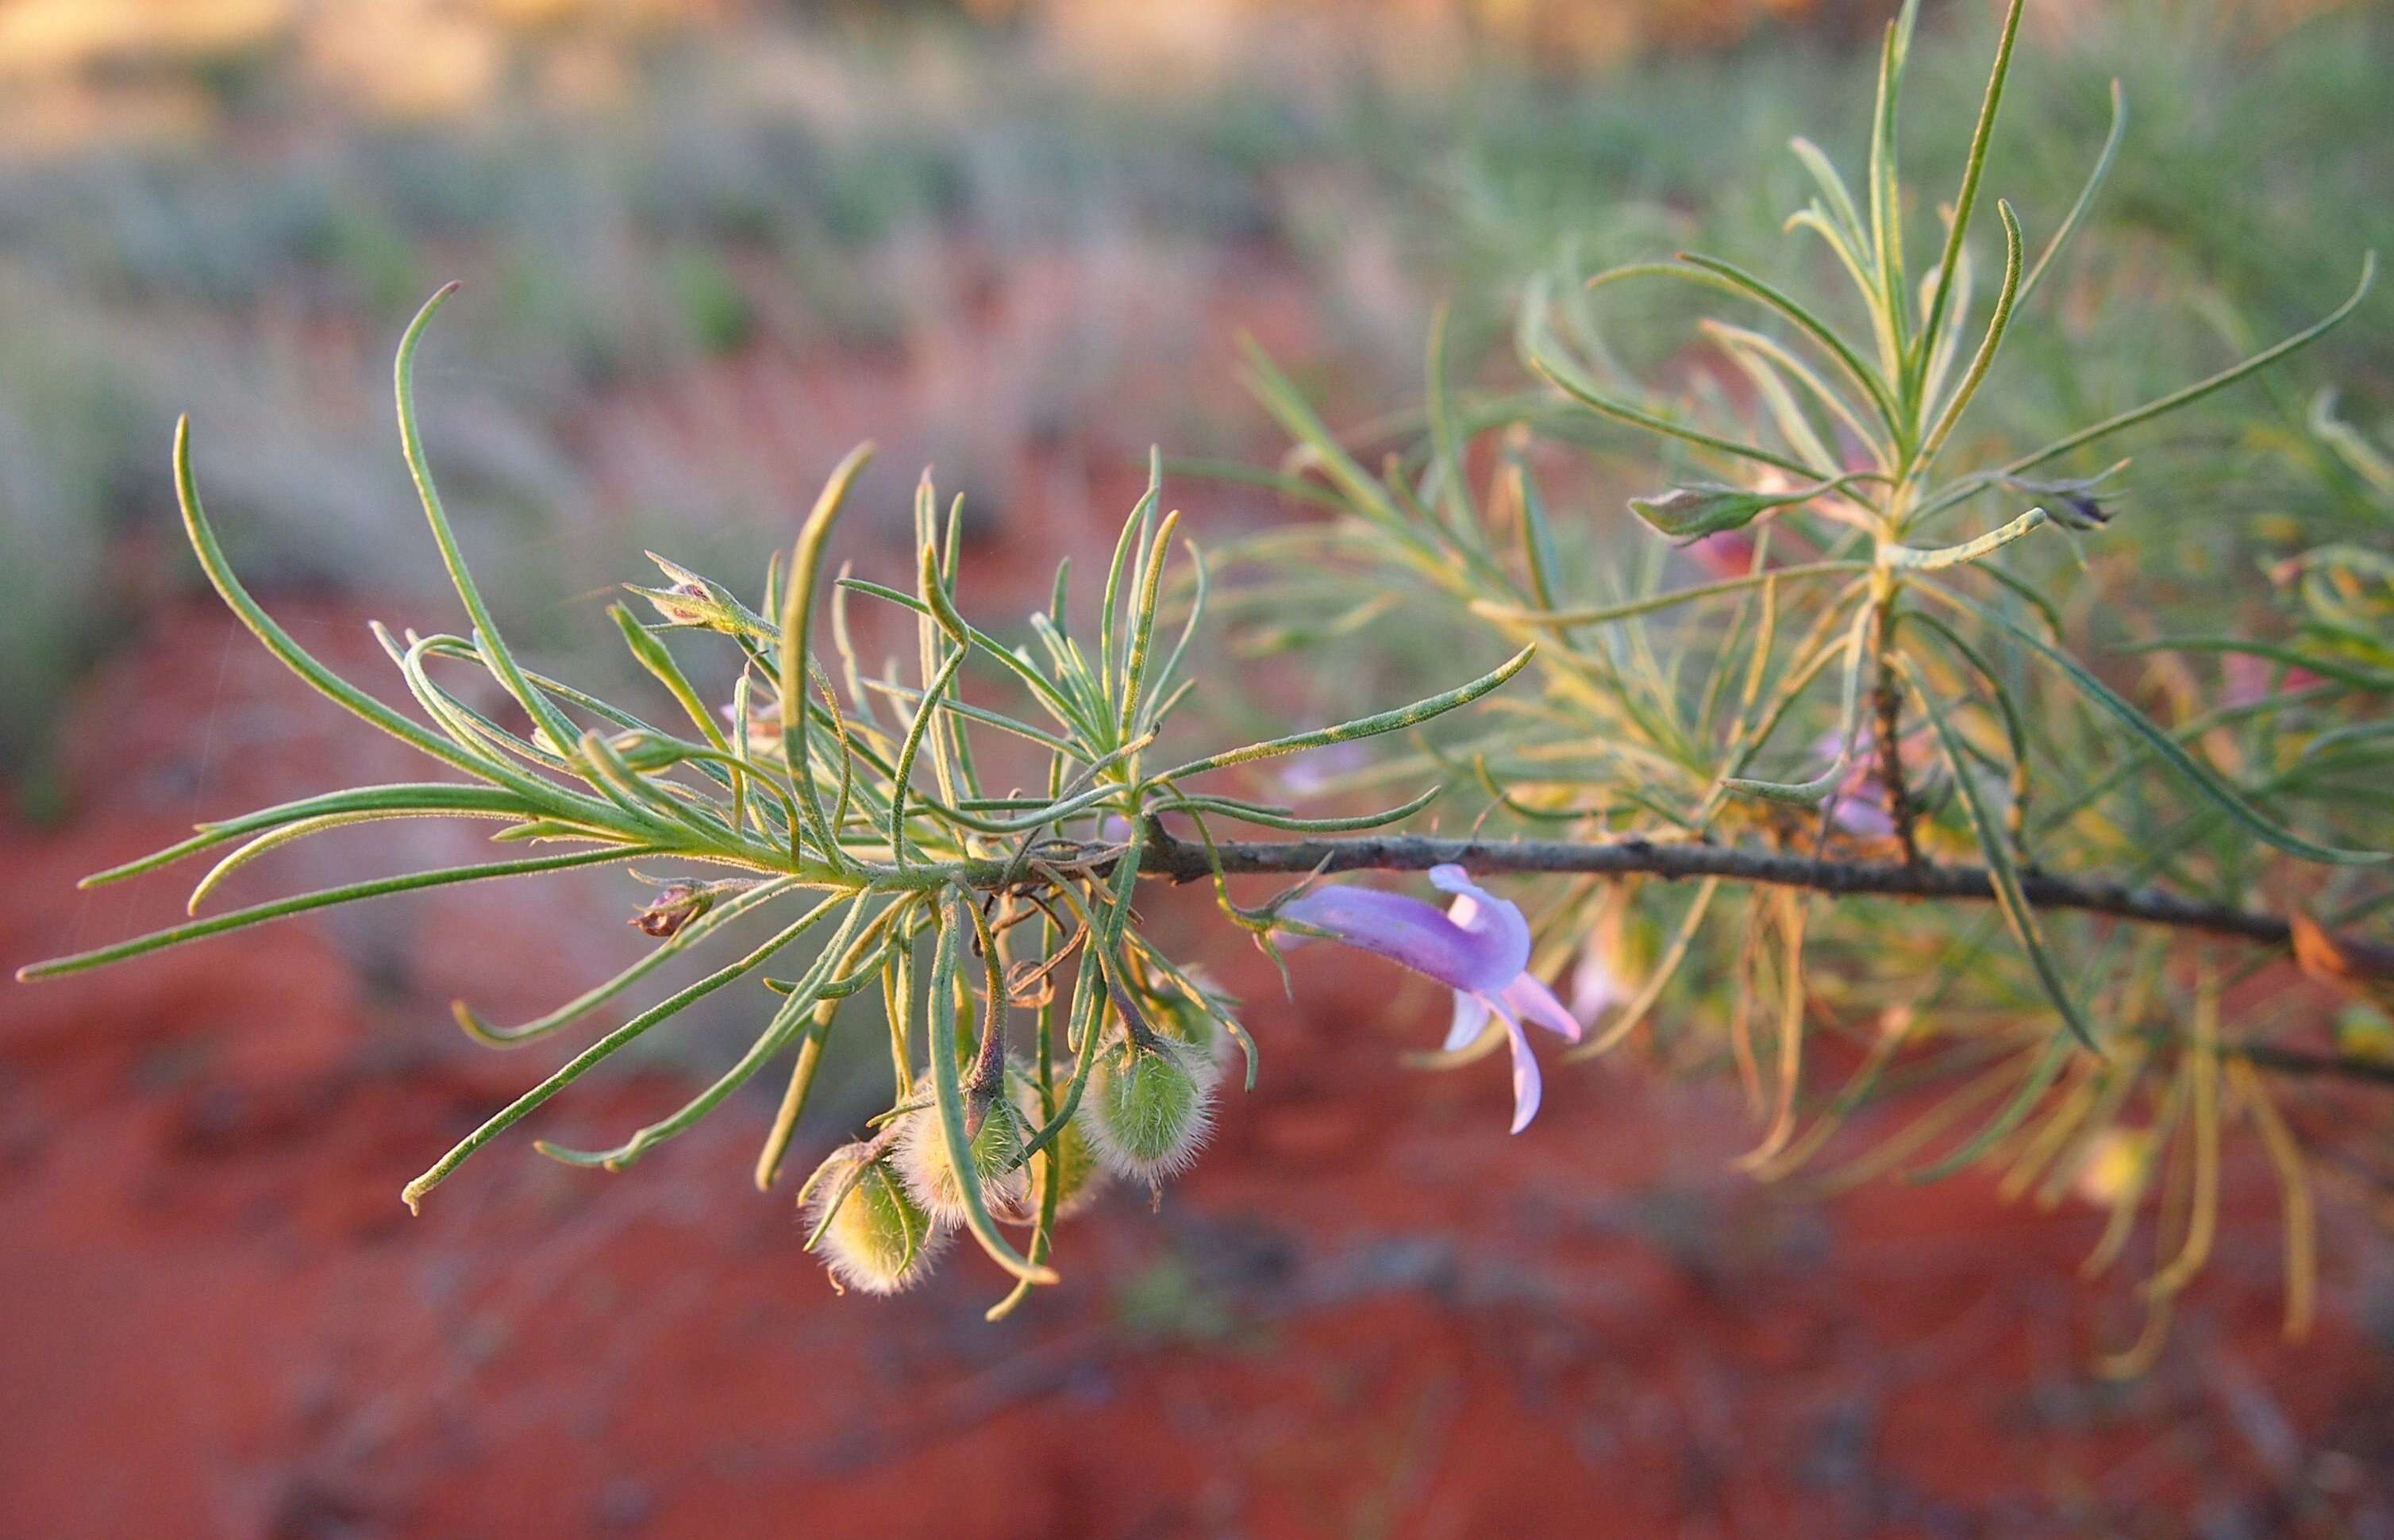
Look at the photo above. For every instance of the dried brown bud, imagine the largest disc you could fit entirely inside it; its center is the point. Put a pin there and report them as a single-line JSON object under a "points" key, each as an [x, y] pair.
{"points": [[674, 905]]}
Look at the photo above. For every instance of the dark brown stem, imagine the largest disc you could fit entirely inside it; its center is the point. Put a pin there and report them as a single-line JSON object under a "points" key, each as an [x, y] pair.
{"points": [[1891, 757], [1186, 861], [1183, 861]]}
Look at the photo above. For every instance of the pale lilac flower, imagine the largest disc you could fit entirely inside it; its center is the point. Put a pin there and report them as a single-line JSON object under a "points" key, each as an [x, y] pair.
{"points": [[1862, 809], [1596, 988], [2250, 680], [1310, 775], [1478, 948], [1860, 803], [1727, 555]]}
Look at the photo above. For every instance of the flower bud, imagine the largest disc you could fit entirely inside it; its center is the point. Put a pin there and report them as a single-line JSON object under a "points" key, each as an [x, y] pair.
{"points": [[692, 602], [2073, 503], [997, 1156], [1147, 1108], [687, 606], [1689, 513], [673, 906], [879, 1239], [1079, 1176]]}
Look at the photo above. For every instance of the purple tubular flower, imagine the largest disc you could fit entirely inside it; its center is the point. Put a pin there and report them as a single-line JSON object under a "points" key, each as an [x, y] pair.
{"points": [[1477, 948]]}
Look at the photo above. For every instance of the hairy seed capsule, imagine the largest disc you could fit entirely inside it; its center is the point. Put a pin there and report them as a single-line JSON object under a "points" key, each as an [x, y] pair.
{"points": [[996, 1155], [1175, 1014], [879, 1239], [1080, 1176], [1147, 1109]]}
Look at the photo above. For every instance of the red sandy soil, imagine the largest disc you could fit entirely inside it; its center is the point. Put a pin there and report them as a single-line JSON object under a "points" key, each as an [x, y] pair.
{"points": [[1369, 1311]]}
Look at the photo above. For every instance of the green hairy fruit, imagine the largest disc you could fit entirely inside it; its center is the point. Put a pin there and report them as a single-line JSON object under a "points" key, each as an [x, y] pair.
{"points": [[1150, 1107], [1176, 1015], [1078, 1176], [922, 1159]]}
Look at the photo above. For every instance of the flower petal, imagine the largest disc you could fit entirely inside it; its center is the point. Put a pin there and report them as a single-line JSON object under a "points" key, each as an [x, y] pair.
{"points": [[1861, 811], [1483, 913], [1859, 807], [1471, 1021], [1529, 1086], [1532, 998], [1483, 957]]}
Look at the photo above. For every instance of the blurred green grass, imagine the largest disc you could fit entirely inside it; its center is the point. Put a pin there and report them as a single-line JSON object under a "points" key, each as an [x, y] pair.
{"points": [[779, 237]]}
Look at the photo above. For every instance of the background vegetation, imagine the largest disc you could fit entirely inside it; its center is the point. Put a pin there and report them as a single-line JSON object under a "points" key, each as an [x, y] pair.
{"points": [[708, 249]]}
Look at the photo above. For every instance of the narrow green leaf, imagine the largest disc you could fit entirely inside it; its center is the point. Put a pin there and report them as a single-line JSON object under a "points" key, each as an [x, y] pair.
{"points": [[502, 662], [1142, 632], [1197, 595], [275, 839], [2293, 657], [2085, 194], [1754, 287], [1997, 324], [1605, 613], [945, 1085], [1885, 209], [427, 797], [1769, 366], [1996, 846], [797, 617], [1446, 441], [655, 957], [1133, 535], [278, 641], [2163, 745], [786, 1021], [924, 711], [1973, 168], [582, 1062], [1913, 559], [325, 898], [1541, 358], [1833, 186], [1969, 485], [1361, 727], [1282, 818]]}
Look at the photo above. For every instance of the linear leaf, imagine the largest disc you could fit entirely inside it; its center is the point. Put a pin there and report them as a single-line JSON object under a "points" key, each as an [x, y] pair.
{"points": [[2163, 745]]}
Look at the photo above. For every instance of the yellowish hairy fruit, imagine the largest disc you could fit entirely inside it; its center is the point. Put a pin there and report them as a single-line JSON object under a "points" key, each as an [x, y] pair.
{"points": [[881, 1241]]}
